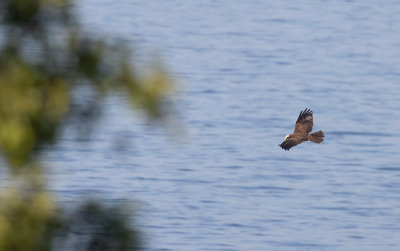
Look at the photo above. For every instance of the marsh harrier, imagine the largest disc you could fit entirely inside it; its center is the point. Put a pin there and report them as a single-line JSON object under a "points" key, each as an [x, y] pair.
{"points": [[302, 131]]}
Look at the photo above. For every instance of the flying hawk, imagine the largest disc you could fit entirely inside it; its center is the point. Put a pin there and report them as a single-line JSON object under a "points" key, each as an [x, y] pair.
{"points": [[302, 131]]}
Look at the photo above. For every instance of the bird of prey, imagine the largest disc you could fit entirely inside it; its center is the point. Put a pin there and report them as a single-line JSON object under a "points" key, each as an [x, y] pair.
{"points": [[304, 125]]}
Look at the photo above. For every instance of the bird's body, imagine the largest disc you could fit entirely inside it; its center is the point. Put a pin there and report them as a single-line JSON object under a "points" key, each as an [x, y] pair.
{"points": [[304, 125]]}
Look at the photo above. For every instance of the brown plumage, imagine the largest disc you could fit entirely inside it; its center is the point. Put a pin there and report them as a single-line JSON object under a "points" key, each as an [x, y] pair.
{"points": [[304, 125]]}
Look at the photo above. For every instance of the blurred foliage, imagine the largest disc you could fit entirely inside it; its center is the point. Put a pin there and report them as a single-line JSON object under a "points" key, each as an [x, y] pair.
{"points": [[32, 104], [97, 227], [31, 220], [28, 218], [44, 59]]}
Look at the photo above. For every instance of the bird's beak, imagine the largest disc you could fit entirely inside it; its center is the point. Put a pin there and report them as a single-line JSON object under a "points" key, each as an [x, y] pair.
{"points": [[287, 136]]}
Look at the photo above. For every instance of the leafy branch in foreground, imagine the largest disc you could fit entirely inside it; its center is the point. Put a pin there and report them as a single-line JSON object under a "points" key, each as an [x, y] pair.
{"points": [[44, 60]]}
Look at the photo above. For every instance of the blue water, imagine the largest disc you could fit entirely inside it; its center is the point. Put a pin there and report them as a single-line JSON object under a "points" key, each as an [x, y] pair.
{"points": [[244, 70]]}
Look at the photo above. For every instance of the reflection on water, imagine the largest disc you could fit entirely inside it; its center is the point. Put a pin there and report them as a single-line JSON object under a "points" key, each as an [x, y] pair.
{"points": [[247, 69]]}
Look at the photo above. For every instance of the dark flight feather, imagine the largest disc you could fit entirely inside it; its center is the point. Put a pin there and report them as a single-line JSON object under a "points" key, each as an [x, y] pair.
{"points": [[304, 123], [287, 144]]}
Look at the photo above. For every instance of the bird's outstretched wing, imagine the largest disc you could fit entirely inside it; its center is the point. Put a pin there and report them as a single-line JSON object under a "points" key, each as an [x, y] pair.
{"points": [[304, 123], [287, 144]]}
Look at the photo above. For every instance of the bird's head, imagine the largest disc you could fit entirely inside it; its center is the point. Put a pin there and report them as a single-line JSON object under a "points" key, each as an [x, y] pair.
{"points": [[286, 138]]}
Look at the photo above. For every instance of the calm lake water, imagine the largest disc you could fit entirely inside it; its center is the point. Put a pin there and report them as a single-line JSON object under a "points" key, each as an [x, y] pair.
{"points": [[245, 69]]}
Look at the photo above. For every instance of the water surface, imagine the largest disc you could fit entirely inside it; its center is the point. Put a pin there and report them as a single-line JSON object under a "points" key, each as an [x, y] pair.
{"points": [[245, 70]]}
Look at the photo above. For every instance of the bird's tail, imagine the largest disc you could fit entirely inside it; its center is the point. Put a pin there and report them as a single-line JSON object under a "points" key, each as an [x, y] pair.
{"points": [[316, 137]]}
